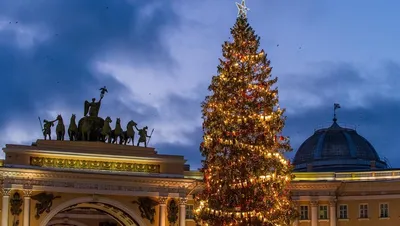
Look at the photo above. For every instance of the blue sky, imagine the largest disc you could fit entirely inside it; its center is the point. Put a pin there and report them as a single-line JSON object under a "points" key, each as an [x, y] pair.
{"points": [[157, 59]]}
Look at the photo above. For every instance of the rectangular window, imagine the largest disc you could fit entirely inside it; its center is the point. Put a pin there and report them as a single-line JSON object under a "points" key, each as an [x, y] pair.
{"points": [[363, 210], [343, 212], [383, 210], [303, 212], [189, 212], [323, 212]]}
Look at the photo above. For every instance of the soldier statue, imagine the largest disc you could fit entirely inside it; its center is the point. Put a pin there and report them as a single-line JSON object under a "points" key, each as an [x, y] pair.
{"points": [[47, 128], [142, 136]]}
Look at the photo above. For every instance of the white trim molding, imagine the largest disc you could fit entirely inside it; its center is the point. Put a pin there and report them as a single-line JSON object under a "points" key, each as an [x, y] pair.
{"points": [[368, 197]]}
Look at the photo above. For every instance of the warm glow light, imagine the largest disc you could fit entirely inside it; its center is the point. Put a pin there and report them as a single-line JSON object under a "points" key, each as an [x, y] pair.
{"points": [[246, 176]]}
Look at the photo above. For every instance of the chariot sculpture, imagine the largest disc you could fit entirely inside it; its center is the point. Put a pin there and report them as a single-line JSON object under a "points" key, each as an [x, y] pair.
{"points": [[91, 127]]}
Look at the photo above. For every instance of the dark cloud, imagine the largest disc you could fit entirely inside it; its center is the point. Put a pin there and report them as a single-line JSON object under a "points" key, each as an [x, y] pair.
{"points": [[57, 69], [190, 152], [54, 68], [376, 119]]}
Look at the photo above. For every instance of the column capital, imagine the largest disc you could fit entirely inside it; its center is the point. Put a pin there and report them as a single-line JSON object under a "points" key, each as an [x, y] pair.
{"points": [[314, 203], [332, 202], [27, 193], [182, 201], [162, 200], [6, 191]]}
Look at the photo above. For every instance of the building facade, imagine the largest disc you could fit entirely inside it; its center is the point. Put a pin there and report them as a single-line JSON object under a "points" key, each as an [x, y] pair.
{"points": [[340, 180], [92, 184]]}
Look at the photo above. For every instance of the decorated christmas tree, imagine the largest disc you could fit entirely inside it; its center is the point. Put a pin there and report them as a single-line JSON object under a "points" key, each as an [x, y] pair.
{"points": [[246, 176]]}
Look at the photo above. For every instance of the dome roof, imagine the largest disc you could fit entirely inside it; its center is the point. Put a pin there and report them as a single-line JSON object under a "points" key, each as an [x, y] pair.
{"points": [[336, 149]]}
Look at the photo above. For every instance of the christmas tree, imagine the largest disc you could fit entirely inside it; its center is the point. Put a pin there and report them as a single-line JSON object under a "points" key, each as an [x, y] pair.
{"points": [[246, 176]]}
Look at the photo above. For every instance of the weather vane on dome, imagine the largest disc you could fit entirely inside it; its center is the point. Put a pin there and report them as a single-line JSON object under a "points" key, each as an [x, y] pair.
{"points": [[242, 8], [335, 107]]}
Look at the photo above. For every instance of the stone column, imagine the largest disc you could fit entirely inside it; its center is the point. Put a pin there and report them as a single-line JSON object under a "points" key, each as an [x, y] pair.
{"points": [[332, 212], [163, 209], [182, 211], [314, 213], [27, 206], [5, 206]]}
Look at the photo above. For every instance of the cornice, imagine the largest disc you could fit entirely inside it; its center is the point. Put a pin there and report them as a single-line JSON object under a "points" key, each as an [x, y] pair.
{"points": [[74, 177], [93, 151], [314, 186]]}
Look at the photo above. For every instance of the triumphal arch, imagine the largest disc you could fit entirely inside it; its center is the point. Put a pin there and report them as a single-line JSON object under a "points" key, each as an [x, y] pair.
{"points": [[98, 176]]}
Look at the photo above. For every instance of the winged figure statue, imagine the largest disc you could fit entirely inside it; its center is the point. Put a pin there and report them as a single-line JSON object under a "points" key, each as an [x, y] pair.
{"points": [[147, 207], [44, 202]]}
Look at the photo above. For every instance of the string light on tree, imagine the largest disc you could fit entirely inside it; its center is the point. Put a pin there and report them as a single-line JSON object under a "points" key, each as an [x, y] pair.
{"points": [[246, 176]]}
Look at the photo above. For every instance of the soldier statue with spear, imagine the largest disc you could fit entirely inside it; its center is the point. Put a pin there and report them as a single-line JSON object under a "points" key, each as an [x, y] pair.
{"points": [[46, 129], [143, 136]]}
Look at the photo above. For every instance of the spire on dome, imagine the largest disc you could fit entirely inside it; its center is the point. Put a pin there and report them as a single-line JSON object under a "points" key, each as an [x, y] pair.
{"points": [[335, 107]]}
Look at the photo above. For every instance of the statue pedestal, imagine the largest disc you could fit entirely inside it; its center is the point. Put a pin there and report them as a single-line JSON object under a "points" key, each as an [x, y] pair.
{"points": [[93, 156], [94, 148]]}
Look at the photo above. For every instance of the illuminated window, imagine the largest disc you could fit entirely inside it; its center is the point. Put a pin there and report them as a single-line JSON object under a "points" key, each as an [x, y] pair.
{"points": [[303, 212], [343, 212], [383, 210], [363, 210], [323, 212], [189, 212]]}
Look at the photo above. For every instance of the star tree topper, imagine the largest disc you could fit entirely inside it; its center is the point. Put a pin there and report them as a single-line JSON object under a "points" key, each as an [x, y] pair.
{"points": [[242, 9]]}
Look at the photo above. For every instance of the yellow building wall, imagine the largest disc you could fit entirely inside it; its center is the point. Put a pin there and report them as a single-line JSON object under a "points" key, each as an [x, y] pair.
{"points": [[190, 222], [353, 213], [373, 213], [124, 200]]}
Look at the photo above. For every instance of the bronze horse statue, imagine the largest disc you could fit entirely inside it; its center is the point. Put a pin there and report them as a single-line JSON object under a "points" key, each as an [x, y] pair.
{"points": [[73, 129], [60, 128], [86, 129], [105, 133], [117, 132], [129, 134]]}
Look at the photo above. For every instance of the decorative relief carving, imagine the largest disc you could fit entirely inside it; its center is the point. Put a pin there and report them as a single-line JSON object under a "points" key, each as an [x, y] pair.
{"points": [[162, 200], [172, 211], [47, 179], [6, 191], [44, 203], [182, 201], [27, 192], [314, 186], [16, 203], [98, 186], [147, 208], [15, 207], [93, 165]]}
